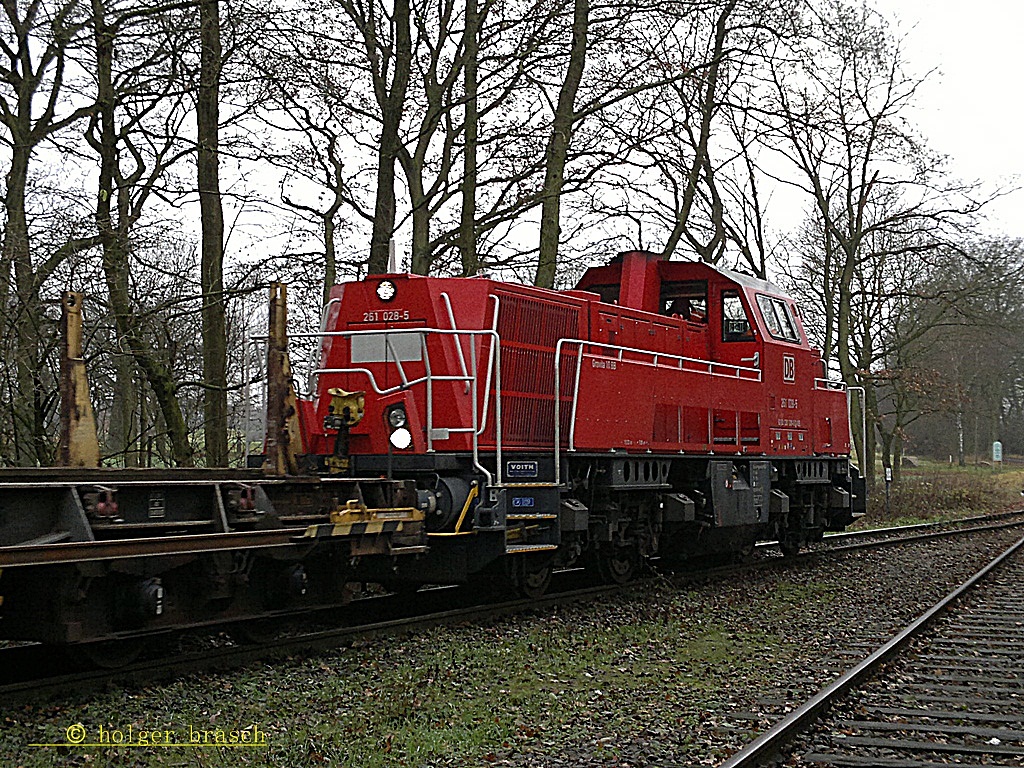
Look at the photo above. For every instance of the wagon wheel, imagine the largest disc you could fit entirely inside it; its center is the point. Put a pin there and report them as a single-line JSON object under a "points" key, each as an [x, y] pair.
{"points": [[526, 576], [106, 654], [618, 565], [255, 631]]}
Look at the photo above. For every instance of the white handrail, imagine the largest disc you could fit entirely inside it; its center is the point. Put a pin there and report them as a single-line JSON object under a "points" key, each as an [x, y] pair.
{"points": [[470, 377], [863, 420], [723, 370], [310, 385], [490, 366], [830, 384], [458, 347]]}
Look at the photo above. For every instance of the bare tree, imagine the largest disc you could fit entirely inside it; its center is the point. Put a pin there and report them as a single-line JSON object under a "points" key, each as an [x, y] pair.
{"points": [[672, 84], [215, 402], [144, 129], [973, 354], [37, 40], [839, 118], [557, 152]]}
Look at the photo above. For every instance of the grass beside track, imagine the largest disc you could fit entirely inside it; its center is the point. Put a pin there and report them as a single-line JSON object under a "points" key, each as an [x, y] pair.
{"points": [[463, 695], [936, 492]]}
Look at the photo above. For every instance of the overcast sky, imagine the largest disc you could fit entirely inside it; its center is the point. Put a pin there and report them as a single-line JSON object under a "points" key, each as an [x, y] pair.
{"points": [[973, 105]]}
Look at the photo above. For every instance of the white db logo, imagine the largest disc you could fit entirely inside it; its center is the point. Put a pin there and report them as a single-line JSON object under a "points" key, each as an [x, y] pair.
{"points": [[788, 368]]}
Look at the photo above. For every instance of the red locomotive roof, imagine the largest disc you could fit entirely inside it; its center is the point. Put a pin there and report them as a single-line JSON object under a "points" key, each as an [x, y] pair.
{"points": [[639, 275]]}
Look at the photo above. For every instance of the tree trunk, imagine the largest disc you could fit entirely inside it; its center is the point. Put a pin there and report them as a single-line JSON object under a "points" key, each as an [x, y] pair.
{"points": [[865, 445], [467, 224], [330, 255], [384, 208], [871, 407], [558, 148], [160, 379], [25, 312], [700, 153], [215, 398], [421, 257], [114, 239], [392, 103], [123, 427]]}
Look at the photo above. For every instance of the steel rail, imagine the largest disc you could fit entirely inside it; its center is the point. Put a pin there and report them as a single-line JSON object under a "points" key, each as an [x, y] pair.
{"points": [[769, 745], [899, 529], [878, 543], [921, 526]]}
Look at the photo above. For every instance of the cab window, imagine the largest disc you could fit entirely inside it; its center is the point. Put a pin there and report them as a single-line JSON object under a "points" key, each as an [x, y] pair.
{"points": [[778, 318], [687, 299], [735, 324], [609, 293]]}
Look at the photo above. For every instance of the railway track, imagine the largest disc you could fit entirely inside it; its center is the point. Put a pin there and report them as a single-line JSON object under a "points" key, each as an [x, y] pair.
{"points": [[948, 689], [922, 530], [35, 672], [32, 672]]}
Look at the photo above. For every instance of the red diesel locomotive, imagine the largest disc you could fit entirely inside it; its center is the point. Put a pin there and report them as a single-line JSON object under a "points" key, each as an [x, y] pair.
{"points": [[660, 407]]}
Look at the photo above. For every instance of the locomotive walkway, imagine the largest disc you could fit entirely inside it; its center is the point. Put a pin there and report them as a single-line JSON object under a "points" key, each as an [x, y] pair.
{"points": [[951, 690]]}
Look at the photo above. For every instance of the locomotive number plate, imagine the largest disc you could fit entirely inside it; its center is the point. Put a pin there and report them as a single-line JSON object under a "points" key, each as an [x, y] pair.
{"points": [[385, 315]]}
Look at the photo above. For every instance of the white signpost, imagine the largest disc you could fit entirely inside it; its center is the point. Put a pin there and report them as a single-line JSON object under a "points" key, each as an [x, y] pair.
{"points": [[997, 452]]}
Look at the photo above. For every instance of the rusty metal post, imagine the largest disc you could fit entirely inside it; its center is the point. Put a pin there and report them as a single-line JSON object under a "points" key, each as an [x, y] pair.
{"points": [[79, 446], [284, 435]]}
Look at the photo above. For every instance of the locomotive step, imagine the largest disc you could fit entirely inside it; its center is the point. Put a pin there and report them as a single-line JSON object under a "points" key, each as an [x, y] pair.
{"points": [[413, 550], [531, 517], [532, 485], [519, 549]]}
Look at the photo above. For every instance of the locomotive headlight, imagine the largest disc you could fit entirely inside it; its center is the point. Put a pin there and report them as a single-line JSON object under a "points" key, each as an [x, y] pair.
{"points": [[397, 417], [386, 290], [401, 438]]}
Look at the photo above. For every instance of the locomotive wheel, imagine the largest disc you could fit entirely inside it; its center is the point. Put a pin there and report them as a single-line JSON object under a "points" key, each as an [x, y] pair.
{"points": [[107, 654], [790, 547], [745, 554], [534, 581], [618, 565]]}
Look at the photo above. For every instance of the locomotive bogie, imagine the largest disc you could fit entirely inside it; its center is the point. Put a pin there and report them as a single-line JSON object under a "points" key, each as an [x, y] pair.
{"points": [[695, 505]]}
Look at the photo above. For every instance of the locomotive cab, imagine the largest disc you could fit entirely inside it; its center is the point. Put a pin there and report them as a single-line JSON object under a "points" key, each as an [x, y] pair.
{"points": [[732, 318], [737, 320]]}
